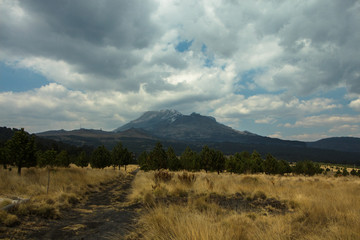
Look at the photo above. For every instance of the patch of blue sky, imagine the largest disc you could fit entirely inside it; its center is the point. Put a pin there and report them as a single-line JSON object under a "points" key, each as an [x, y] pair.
{"points": [[209, 62], [209, 59], [203, 48], [183, 46], [246, 86], [19, 79]]}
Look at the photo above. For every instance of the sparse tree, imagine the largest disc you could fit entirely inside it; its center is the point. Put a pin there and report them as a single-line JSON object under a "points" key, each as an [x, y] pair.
{"points": [[62, 159], [47, 158], [284, 167], [257, 162], [118, 155], [173, 161], [144, 161], [207, 158], [190, 160], [230, 164], [307, 168], [158, 157], [126, 158], [82, 160], [270, 164], [4, 157], [353, 172], [100, 158], [21, 149], [219, 161]]}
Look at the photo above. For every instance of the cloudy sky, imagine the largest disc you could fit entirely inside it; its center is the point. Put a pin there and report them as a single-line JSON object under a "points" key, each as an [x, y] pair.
{"points": [[287, 69]]}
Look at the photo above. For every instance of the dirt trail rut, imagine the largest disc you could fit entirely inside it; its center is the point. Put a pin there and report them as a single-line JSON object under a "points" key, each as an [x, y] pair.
{"points": [[105, 215]]}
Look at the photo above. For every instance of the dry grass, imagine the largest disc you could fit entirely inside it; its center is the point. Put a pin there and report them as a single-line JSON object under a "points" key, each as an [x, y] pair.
{"points": [[67, 187], [318, 207]]}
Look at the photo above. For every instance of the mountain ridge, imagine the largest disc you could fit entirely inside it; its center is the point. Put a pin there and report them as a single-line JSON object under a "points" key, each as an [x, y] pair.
{"points": [[172, 128], [171, 124]]}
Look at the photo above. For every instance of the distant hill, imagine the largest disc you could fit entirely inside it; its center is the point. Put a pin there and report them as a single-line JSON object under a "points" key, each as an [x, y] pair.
{"points": [[43, 143], [347, 144], [172, 128], [6, 133]]}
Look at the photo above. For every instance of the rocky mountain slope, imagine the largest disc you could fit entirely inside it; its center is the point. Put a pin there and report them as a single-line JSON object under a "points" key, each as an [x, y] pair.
{"points": [[172, 125]]}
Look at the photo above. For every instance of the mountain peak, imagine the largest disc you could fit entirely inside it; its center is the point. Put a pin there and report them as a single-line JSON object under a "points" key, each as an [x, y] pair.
{"points": [[151, 119], [171, 124], [164, 115]]}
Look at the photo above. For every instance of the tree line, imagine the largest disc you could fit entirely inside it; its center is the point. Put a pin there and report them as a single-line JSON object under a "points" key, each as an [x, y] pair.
{"points": [[215, 161], [22, 151]]}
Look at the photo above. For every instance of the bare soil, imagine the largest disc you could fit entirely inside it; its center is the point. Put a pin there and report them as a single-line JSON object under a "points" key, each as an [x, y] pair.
{"points": [[105, 215]]}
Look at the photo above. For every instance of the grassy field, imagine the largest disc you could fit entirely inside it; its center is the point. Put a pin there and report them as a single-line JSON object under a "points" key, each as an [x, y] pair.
{"points": [[183, 205], [210, 206], [67, 187]]}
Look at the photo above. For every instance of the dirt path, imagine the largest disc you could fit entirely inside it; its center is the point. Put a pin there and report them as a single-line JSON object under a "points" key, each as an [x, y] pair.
{"points": [[105, 215]]}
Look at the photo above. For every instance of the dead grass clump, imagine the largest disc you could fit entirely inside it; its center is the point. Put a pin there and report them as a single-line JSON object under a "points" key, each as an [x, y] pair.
{"points": [[187, 178], [162, 176], [160, 191], [180, 191], [149, 200], [8, 219], [4, 203], [200, 204], [37, 209], [249, 180], [259, 195]]}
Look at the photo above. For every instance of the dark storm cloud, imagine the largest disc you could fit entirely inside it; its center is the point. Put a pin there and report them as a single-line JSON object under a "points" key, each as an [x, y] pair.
{"points": [[111, 22], [320, 38], [94, 37]]}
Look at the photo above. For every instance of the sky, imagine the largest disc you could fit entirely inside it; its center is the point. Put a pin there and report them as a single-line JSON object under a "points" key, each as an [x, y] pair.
{"points": [[284, 69]]}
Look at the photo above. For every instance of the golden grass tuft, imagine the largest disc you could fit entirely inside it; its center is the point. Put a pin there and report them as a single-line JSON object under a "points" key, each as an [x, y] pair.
{"points": [[8, 219]]}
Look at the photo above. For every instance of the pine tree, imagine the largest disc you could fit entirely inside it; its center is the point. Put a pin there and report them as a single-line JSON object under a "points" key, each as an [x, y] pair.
{"points": [[206, 158], [158, 157], [173, 161], [82, 160], [21, 149], [100, 158]]}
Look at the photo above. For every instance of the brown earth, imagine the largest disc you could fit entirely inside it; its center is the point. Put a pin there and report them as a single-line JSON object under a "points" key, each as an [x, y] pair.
{"points": [[106, 214]]}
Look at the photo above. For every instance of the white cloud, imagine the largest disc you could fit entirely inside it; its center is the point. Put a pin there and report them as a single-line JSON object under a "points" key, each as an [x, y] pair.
{"points": [[322, 120], [265, 120], [273, 106], [308, 136], [355, 104], [345, 129], [276, 135]]}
